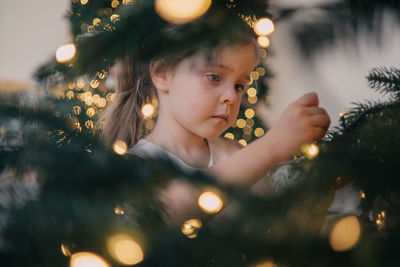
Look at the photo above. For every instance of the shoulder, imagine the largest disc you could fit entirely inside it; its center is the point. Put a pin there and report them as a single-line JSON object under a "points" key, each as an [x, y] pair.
{"points": [[222, 147]]}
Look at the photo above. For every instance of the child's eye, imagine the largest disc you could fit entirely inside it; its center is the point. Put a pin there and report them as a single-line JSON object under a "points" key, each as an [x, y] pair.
{"points": [[239, 87], [213, 77]]}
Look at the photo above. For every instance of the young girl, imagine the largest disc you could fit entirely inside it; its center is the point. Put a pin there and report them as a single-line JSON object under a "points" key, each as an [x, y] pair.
{"points": [[199, 96]]}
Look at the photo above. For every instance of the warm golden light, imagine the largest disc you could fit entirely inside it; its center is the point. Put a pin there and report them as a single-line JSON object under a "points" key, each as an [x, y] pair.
{"points": [[191, 227], [89, 124], [94, 83], [241, 123], [101, 103], [84, 2], [96, 21], [345, 233], [210, 202], [124, 249], [114, 4], [267, 263], [114, 18], [249, 113], [65, 53], [90, 112], [181, 11], [87, 259], [66, 250], [263, 41], [252, 99], [119, 211], [263, 53], [264, 26], [362, 194], [81, 83], [120, 147], [147, 110], [243, 142], [254, 75], [251, 92], [259, 132], [261, 71], [230, 136], [76, 110], [311, 150], [70, 95]]}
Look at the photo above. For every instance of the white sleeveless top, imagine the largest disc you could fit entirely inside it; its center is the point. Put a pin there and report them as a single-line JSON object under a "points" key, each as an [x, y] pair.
{"points": [[147, 149]]}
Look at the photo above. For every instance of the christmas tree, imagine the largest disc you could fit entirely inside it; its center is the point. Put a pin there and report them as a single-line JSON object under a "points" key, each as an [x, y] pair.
{"points": [[66, 199]]}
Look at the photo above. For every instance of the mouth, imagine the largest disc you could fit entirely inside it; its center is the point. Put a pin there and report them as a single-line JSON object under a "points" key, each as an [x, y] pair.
{"points": [[223, 118]]}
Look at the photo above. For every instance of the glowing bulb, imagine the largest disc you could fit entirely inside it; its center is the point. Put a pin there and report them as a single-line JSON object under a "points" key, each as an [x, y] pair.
{"points": [[345, 233], [230, 136], [191, 227], [120, 147], [124, 249], [86, 259], [259, 132], [241, 123], [90, 112], [66, 250], [94, 83], [181, 11], [70, 95], [89, 124], [76, 110], [210, 202], [264, 26], [255, 75], [249, 113], [147, 110], [243, 142], [96, 21], [311, 151], [114, 4], [102, 102], [84, 2], [65, 53], [119, 211], [252, 92], [261, 71], [263, 41], [252, 99]]}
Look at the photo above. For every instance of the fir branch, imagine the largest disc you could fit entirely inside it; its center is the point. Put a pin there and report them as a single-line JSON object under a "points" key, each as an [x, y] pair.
{"points": [[385, 80]]}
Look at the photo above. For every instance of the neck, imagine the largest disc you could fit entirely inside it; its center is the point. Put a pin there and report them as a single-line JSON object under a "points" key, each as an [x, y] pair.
{"points": [[172, 136]]}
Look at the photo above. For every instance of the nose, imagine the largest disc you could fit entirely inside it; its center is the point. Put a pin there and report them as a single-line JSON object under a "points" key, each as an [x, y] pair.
{"points": [[229, 95]]}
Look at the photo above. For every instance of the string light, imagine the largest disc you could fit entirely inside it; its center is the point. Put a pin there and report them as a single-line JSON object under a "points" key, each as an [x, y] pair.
{"points": [[96, 21], [258, 132], [84, 2], [210, 202], [181, 11], [249, 113], [311, 150], [261, 71], [90, 112], [85, 259], [119, 211], [252, 92], [114, 4], [241, 123], [147, 110], [254, 75], [264, 26], [243, 142], [94, 83], [114, 18], [66, 250], [190, 228], [263, 41], [102, 102], [345, 234], [252, 99], [380, 221], [65, 53], [124, 249], [120, 147], [230, 136], [263, 53], [69, 95], [362, 194], [89, 124]]}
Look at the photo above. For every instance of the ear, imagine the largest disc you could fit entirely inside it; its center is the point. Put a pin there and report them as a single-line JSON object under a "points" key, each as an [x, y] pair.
{"points": [[159, 78]]}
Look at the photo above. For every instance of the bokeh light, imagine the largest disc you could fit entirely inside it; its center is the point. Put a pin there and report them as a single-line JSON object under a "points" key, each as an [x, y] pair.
{"points": [[124, 249], [241, 123], [87, 259], [252, 92], [249, 113], [147, 110], [210, 202], [345, 233], [243, 142], [190, 228], [120, 147], [264, 26], [311, 150], [65, 53], [181, 11], [263, 41], [230, 136], [258, 132]]}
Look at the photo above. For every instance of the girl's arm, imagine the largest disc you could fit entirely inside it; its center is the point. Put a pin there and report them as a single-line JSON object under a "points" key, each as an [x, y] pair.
{"points": [[301, 123]]}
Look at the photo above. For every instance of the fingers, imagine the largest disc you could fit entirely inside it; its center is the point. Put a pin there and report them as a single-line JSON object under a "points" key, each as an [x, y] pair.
{"points": [[320, 120], [310, 99], [314, 111]]}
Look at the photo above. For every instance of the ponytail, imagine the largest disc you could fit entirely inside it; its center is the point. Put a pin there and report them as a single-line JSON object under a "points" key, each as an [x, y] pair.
{"points": [[123, 118]]}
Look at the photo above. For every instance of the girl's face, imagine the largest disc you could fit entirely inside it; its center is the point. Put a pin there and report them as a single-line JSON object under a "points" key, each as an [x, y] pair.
{"points": [[203, 97]]}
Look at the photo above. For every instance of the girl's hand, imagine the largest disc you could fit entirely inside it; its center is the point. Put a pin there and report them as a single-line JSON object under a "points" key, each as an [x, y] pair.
{"points": [[302, 122]]}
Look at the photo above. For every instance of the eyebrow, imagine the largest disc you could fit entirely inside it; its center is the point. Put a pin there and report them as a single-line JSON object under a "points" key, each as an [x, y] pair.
{"points": [[221, 66]]}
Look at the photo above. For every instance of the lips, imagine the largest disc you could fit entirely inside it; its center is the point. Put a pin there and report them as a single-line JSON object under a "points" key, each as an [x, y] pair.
{"points": [[223, 117]]}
